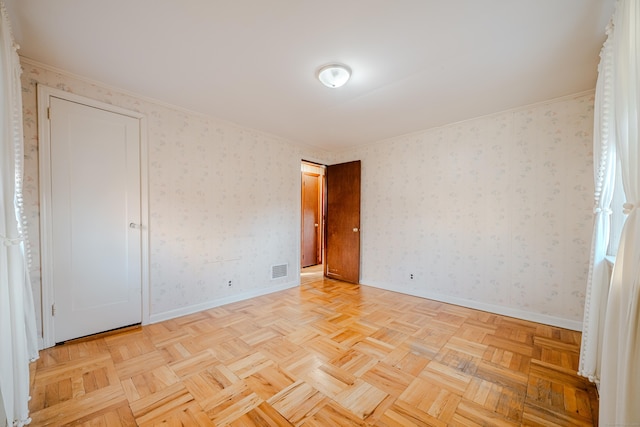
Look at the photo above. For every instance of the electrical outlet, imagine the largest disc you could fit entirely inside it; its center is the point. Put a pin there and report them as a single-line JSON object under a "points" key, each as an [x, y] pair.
{"points": [[229, 283], [411, 276]]}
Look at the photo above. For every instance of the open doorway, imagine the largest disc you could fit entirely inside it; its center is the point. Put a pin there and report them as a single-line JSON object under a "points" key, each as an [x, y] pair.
{"points": [[312, 221]]}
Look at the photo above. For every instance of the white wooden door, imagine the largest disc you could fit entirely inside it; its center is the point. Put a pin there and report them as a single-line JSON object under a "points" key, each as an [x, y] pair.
{"points": [[95, 219]]}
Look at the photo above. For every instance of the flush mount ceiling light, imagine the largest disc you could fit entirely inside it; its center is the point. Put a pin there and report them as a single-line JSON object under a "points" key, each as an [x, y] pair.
{"points": [[334, 75]]}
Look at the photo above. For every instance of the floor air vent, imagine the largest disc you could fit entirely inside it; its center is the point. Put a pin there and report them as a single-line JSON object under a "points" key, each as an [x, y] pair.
{"points": [[278, 271]]}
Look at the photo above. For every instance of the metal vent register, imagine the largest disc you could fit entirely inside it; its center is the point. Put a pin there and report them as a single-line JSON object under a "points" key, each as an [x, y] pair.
{"points": [[278, 271]]}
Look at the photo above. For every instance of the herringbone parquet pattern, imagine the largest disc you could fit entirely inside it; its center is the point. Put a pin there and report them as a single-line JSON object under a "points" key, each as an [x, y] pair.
{"points": [[325, 354]]}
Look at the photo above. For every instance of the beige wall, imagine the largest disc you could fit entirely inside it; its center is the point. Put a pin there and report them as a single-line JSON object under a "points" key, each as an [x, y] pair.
{"points": [[493, 213], [224, 200]]}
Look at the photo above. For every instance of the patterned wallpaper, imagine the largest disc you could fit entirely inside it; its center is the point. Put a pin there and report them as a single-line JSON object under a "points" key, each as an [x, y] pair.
{"points": [[223, 200], [493, 213]]}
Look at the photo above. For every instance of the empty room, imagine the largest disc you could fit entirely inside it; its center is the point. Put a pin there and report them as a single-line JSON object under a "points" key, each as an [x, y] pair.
{"points": [[296, 213]]}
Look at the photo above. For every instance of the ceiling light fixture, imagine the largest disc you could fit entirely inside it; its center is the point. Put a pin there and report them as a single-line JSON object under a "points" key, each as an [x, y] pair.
{"points": [[334, 75]]}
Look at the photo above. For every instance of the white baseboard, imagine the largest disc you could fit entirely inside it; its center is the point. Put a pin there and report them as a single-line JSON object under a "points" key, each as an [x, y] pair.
{"points": [[491, 308], [190, 309]]}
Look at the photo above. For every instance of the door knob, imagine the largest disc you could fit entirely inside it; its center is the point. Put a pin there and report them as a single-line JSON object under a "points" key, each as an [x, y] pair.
{"points": [[355, 229], [134, 225], [315, 225]]}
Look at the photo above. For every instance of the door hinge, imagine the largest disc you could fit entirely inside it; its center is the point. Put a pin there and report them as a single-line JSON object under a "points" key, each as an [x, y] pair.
{"points": [[53, 309], [48, 112]]}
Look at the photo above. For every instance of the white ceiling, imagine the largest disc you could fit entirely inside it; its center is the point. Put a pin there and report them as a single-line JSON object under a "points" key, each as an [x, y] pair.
{"points": [[416, 63]]}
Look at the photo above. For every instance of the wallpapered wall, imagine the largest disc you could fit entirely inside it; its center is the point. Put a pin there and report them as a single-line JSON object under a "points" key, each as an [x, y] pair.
{"points": [[223, 200], [493, 213]]}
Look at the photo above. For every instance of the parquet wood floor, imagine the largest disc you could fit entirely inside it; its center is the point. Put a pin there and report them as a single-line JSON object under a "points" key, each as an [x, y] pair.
{"points": [[327, 353]]}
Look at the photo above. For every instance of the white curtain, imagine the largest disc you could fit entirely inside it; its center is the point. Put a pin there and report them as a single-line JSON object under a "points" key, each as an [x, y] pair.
{"points": [[18, 341], [620, 375], [604, 161]]}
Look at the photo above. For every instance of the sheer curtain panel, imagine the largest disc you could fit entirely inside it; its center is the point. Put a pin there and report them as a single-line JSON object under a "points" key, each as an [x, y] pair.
{"points": [[18, 341], [620, 375], [604, 176]]}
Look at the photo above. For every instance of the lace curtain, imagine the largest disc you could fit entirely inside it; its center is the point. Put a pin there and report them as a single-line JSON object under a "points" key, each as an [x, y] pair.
{"points": [[610, 349], [620, 378], [604, 162], [18, 341]]}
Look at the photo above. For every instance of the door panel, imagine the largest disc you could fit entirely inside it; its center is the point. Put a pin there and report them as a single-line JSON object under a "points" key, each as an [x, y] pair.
{"points": [[96, 254], [342, 249], [310, 219]]}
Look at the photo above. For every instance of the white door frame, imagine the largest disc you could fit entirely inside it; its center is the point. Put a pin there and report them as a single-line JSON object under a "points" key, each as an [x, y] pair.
{"points": [[45, 94]]}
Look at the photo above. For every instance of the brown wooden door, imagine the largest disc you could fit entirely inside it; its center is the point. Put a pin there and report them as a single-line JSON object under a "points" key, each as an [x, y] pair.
{"points": [[310, 251], [342, 247]]}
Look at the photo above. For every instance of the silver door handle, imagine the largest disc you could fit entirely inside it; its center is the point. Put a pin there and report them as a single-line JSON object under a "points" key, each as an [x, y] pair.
{"points": [[315, 225], [355, 229], [134, 225]]}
